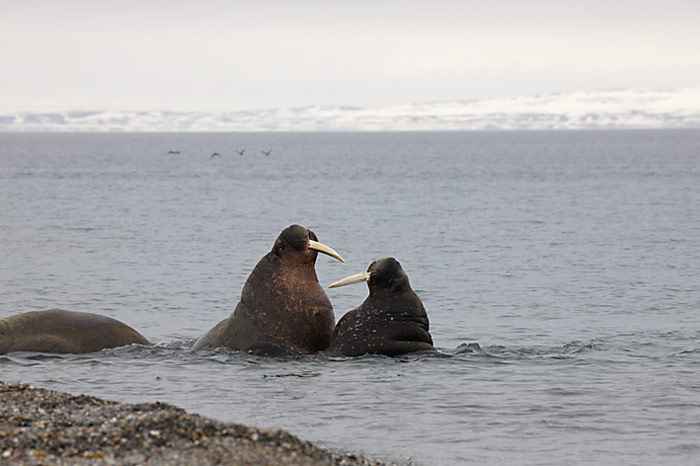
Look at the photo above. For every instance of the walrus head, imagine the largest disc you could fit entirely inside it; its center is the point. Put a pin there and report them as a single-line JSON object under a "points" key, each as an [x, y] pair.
{"points": [[300, 245], [382, 276]]}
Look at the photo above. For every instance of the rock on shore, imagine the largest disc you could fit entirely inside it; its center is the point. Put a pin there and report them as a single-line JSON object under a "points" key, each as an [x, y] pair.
{"points": [[39, 426]]}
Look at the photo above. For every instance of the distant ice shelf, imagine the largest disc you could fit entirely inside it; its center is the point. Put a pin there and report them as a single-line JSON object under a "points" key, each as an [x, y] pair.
{"points": [[616, 109]]}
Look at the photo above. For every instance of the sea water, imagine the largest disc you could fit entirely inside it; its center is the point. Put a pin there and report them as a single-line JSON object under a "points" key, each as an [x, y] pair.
{"points": [[559, 271]]}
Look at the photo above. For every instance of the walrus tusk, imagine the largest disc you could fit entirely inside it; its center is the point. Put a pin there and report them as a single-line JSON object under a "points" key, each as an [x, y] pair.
{"points": [[315, 245], [357, 278]]}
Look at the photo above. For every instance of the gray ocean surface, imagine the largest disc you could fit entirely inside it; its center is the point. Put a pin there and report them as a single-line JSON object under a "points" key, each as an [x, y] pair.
{"points": [[560, 272]]}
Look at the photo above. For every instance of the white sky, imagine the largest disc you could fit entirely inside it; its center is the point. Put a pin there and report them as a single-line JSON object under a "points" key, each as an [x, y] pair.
{"points": [[207, 55]]}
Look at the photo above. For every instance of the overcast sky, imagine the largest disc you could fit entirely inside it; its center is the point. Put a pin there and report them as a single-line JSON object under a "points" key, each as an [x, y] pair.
{"points": [[234, 55]]}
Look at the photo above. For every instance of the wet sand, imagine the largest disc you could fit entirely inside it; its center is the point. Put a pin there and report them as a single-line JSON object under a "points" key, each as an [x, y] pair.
{"points": [[39, 426]]}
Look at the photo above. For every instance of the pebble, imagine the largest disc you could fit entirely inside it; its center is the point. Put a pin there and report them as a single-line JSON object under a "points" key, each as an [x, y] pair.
{"points": [[39, 426]]}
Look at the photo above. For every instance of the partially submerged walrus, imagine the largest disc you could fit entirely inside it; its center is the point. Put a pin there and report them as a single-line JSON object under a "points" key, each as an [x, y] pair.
{"points": [[59, 331], [391, 321], [283, 308]]}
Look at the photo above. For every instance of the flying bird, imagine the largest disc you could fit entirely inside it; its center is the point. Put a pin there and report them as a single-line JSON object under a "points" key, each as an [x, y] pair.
{"points": [[215, 154], [266, 152], [240, 152]]}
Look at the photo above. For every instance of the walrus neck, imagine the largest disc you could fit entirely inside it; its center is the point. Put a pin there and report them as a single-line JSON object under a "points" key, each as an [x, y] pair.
{"points": [[306, 270]]}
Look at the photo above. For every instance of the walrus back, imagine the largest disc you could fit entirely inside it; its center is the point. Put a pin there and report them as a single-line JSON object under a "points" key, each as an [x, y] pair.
{"points": [[60, 331]]}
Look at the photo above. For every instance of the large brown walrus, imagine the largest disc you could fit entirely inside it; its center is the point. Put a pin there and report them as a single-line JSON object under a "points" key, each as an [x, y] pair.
{"points": [[282, 304], [59, 331], [391, 321]]}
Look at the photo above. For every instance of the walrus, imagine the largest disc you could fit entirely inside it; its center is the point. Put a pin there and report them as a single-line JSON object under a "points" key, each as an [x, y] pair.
{"points": [[282, 304], [59, 331], [391, 321]]}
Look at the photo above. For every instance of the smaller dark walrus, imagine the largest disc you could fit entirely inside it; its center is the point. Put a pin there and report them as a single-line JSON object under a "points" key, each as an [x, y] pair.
{"points": [[59, 331], [391, 321], [283, 309]]}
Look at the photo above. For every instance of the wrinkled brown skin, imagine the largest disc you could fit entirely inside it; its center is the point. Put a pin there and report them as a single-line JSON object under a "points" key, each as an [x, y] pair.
{"points": [[59, 331], [391, 321], [281, 302]]}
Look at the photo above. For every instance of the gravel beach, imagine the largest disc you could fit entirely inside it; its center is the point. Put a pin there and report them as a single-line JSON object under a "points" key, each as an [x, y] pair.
{"points": [[39, 426]]}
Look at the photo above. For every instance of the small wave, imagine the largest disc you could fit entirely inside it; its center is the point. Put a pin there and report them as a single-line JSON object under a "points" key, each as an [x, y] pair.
{"points": [[466, 348], [32, 356], [17, 360], [302, 374], [565, 351], [184, 344], [84, 229], [180, 352], [688, 351]]}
